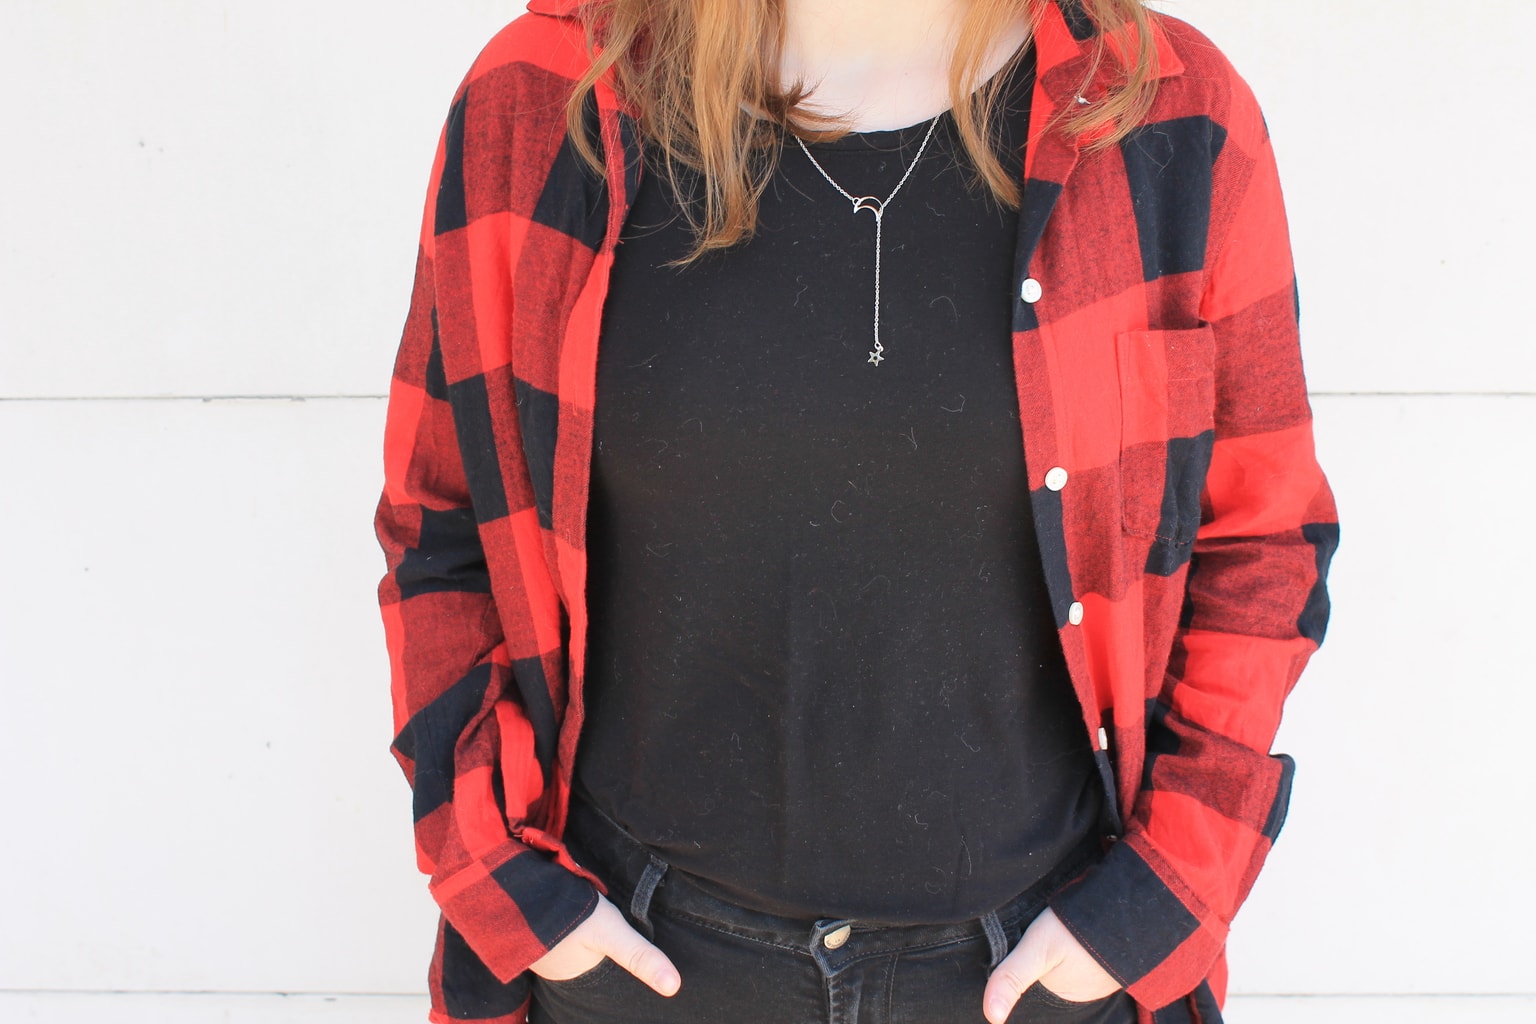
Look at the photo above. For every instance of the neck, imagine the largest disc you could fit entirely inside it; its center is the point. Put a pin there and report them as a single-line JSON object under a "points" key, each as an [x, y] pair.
{"points": [[878, 64]]}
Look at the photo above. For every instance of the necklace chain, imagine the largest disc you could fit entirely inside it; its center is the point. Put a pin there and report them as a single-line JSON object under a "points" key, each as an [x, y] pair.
{"points": [[877, 207]]}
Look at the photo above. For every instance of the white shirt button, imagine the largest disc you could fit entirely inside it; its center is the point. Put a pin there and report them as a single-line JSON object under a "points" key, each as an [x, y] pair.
{"points": [[835, 939], [1075, 613], [1031, 291], [1056, 479]]}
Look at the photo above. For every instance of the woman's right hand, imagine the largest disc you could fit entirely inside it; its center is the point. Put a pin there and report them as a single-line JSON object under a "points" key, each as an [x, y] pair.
{"points": [[606, 934]]}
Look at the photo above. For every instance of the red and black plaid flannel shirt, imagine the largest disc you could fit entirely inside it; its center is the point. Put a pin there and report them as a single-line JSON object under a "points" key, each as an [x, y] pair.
{"points": [[1185, 525]]}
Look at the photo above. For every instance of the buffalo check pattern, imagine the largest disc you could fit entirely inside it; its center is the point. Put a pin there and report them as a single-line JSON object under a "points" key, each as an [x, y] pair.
{"points": [[1185, 525]]}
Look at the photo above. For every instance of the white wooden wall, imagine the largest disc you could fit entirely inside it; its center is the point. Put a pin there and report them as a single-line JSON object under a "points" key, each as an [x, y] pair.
{"points": [[206, 235]]}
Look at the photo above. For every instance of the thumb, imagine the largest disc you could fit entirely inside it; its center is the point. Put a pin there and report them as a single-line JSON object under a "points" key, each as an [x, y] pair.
{"points": [[629, 949], [1018, 971]]}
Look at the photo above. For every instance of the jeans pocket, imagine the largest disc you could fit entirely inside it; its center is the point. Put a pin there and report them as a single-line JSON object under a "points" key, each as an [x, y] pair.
{"points": [[1039, 1003], [606, 993], [940, 983], [591, 976]]}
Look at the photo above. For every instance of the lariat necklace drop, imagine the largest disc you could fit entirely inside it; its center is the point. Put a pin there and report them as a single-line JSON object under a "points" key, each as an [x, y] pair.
{"points": [[877, 207]]}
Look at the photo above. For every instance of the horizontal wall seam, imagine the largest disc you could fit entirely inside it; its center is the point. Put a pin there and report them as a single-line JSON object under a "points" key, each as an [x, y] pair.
{"points": [[200, 993], [1381, 995], [1422, 394], [382, 397], [243, 993], [192, 398]]}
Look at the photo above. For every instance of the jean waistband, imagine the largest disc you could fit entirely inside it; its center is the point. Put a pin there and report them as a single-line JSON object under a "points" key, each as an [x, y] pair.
{"points": [[638, 879]]}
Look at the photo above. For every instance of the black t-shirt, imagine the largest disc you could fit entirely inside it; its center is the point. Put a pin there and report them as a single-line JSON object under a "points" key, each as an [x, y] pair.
{"points": [[823, 674]]}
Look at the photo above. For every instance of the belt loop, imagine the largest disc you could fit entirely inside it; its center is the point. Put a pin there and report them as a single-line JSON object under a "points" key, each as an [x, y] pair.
{"points": [[995, 937], [640, 904]]}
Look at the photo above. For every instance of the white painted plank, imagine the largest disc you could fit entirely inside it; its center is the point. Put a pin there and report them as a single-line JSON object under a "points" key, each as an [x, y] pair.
{"points": [[1372, 1009], [207, 1008], [1414, 264], [1405, 864], [218, 198], [199, 791]]}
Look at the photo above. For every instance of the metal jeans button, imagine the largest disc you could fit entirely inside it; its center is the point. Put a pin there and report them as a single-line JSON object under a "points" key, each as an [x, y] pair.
{"points": [[835, 939]]}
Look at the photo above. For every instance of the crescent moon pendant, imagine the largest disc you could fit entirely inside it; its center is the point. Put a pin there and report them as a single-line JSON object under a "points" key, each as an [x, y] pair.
{"points": [[870, 203]]}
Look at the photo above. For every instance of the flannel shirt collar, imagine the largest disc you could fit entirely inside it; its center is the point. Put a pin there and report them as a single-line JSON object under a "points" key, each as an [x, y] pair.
{"points": [[1066, 48]]}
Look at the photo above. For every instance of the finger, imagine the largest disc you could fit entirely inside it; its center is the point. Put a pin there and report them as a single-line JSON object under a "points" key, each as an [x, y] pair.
{"points": [[629, 949], [1017, 972]]}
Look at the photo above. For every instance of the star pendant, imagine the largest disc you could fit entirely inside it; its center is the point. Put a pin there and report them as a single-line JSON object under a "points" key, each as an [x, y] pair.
{"points": [[875, 358]]}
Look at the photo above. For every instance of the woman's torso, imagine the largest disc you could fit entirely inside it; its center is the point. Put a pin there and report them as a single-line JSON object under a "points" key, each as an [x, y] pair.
{"points": [[823, 675]]}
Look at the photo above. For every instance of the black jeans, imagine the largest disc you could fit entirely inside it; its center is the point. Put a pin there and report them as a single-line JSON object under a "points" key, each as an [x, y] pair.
{"points": [[743, 967]]}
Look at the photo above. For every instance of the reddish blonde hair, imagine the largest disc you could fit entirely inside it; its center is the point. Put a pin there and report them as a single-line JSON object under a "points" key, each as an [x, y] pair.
{"points": [[690, 69]]}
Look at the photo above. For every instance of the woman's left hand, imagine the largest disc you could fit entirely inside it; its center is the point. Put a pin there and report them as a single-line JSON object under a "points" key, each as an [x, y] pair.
{"points": [[1051, 955]]}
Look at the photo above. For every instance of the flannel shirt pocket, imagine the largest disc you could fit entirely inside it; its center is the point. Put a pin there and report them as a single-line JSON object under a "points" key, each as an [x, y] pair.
{"points": [[1168, 409]]}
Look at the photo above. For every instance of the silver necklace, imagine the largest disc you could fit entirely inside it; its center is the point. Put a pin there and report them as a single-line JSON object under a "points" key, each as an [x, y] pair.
{"points": [[877, 207]]}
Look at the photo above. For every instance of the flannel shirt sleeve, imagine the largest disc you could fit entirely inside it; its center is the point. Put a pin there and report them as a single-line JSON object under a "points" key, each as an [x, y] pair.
{"points": [[1212, 798], [464, 735]]}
